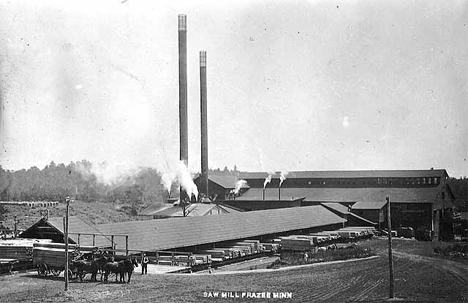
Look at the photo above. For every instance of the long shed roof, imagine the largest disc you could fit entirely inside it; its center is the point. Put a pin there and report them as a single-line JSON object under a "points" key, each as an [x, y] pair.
{"points": [[350, 174], [406, 195], [152, 235]]}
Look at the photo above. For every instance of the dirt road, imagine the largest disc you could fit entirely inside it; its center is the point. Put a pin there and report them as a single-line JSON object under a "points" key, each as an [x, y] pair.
{"points": [[417, 279]]}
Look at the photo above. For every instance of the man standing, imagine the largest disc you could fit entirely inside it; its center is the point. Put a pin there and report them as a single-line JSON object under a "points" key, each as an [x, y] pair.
{"points": [[144, 264]]}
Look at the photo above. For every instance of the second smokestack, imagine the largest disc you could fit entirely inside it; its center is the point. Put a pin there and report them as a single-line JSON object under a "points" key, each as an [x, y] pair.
{"points": [[204, 126], [183, 89]]}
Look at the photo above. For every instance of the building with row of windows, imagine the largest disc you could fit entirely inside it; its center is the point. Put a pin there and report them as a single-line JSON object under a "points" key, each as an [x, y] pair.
{"points": [[420, 199]]}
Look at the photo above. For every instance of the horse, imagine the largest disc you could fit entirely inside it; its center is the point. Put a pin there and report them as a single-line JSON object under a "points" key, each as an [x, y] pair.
{"points": [[84, 266], [120, 268], [128, 267]]}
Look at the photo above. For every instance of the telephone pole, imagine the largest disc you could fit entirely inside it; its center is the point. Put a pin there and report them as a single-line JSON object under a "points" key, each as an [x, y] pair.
{"points": [[390, 257], [67, 199]]}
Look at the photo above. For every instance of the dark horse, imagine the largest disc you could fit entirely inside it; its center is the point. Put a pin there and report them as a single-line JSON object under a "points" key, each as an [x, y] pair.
{"points": [[120, 268], [82, 267]]}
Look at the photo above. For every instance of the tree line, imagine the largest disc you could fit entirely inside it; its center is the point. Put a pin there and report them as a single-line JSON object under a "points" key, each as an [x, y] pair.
{"points": [[56, 181]]}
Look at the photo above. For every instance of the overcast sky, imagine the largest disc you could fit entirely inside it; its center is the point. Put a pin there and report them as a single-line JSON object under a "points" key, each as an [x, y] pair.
{"points": [[292, 85]]}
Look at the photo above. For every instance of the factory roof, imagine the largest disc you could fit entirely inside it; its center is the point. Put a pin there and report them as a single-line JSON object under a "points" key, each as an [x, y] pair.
{"points": [[337, 207], [226, 180], [340, 208], [369, 205], [370, 194], [349, 174], [152, 235]]}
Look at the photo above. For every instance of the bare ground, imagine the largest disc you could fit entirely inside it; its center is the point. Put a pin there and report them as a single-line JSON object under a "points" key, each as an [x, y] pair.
{"points": [[419, 277]]}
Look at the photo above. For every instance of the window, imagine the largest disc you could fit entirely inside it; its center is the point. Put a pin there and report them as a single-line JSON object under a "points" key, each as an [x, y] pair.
{"points": [[423, 180], [429, 180], [310, 182], [378, 181]]}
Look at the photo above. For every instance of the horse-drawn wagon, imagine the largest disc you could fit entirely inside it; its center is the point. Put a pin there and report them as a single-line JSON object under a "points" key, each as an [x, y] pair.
{"points": [[50, 259]]}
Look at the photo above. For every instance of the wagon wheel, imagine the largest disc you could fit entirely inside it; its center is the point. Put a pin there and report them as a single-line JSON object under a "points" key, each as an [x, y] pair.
{"points": [[70, 274], [55, 272], [42, 270]]}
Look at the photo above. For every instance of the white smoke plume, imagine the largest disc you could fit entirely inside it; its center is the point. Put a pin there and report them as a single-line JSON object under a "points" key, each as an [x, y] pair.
{"points": [[283, 177], [167, 179], [239, 185], [184, 179], [108, 174], [175, 172], [268, 179]]}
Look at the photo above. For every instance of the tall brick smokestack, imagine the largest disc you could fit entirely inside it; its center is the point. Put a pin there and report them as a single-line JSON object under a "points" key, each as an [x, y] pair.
{"points": [[183, 99], [204, 126], [183, 88]]}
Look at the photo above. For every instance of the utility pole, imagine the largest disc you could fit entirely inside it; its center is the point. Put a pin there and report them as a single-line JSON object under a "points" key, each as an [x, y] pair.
{"points": [[67, 199], [15, 230], [390, 257]]}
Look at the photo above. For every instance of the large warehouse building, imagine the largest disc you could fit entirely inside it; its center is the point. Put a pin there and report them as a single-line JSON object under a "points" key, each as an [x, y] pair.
{"points": [[420, 199]]}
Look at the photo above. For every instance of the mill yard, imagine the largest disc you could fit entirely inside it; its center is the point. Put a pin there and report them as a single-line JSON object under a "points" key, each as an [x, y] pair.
{"points": [[420, 276]]}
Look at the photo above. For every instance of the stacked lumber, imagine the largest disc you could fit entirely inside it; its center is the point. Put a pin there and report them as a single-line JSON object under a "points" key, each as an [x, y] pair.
{"points": [[272, 247], [165, 260], [187, 260], [241, 250], [20, 253], [297, 244], [229, 252], [216, 254], [256, 245], [249, 246], [202, 259], [19, 249]]}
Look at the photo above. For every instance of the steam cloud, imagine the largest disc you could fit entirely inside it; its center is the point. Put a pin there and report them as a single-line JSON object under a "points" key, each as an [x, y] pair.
{"points": [[268, 179], [283, 177], [184, 178], [239, 185], [180, 175]]}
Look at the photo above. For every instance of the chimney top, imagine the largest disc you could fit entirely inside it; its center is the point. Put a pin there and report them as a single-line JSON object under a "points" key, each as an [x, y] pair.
{"points": [[202, 58], [182, 22]]}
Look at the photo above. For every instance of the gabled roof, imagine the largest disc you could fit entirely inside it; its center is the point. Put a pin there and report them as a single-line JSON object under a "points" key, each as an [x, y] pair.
{"points": [[152, 235], [407, 195], [78, 226], [54, 229], [369, 205], [154, 208]]}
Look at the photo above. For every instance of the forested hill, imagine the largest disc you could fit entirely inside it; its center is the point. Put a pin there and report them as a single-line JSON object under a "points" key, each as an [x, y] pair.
{"points": [[56, 181], [459, 188]]}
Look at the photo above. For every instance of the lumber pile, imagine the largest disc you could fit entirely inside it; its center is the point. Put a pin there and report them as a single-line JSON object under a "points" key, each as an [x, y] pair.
{"points": [[297, 244]]}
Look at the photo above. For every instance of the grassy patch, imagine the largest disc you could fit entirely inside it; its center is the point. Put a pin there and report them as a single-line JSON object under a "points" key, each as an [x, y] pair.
{"points": [[453, 251]]}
